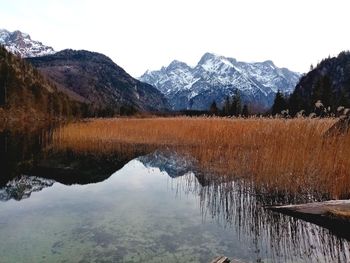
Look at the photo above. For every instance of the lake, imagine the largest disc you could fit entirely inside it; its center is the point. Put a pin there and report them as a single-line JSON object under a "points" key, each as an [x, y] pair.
{"points": [[157, 207]]}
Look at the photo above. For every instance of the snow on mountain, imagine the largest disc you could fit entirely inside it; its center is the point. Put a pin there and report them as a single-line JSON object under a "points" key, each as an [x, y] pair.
{"points": [[23, 186], [173, 164], [216, 77], [21, 44]]}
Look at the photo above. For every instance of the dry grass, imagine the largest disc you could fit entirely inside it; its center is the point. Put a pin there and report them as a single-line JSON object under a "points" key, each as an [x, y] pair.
{"points": [[278, 154]]}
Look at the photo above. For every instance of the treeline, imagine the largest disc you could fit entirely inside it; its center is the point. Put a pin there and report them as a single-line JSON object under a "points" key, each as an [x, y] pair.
{"points": [[324, 91], [233, 106], [25, 92], [323, 102], [112, 110]]}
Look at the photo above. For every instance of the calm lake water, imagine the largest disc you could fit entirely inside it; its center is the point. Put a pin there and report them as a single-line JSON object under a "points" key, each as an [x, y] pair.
{"points": [[154, 208]]}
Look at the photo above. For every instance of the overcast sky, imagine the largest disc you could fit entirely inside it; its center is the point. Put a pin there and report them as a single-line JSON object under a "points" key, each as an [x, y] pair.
{"points": [[147, 34]]}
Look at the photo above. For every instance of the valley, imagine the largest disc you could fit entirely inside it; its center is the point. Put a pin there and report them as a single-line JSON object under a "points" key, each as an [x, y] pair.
{"points": [[183, 164]]}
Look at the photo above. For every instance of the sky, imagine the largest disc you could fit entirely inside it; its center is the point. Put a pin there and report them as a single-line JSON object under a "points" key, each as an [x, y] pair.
{"points": [[148, 34]]}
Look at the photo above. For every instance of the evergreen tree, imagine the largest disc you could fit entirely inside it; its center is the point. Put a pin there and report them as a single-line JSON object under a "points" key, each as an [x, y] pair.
{"points": [[245, 111], [190, 104], [296, 103], [3, 84], [236, 105], [323, 92], [279, 104], [213, 108], [227, 106], [344, 99]]}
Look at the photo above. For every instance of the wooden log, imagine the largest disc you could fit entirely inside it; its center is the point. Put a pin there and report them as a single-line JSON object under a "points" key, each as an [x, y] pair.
{"points": [[220, 259], [223, 259], [333, 214]]}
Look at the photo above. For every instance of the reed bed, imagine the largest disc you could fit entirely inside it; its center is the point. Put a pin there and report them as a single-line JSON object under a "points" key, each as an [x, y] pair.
{"points": [[277, 154]]}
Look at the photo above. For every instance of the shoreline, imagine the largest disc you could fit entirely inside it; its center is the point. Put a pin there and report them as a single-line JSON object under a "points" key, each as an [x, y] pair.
{"points": [[333, 215]]}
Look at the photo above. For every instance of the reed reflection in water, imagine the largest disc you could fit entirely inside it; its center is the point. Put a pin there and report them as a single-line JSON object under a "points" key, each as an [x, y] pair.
{"points": [[236, 205]]}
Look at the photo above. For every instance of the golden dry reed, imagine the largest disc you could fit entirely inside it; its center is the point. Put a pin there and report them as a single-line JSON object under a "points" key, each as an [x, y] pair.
{"points": [[279, 154]]}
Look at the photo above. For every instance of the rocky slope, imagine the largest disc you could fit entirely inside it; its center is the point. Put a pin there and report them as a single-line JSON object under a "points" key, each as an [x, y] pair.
{"points": [[215, 77], [95, 78], [21, 44]]}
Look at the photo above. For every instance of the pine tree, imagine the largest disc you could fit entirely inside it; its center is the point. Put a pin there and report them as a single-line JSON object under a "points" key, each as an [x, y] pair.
{"points": [[236, 105], [323, 92], [245, 111], [296, 103], [227, 106], [279, 104], [344, 99], [213, 108], [3, 84]]}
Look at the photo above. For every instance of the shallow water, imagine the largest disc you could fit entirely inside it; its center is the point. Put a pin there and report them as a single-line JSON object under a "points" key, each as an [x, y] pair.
{"points": [[141, 214], [154, 208]]}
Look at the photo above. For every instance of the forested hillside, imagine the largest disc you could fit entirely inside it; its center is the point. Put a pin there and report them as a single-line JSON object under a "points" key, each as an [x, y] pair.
{"points": [[328, 83], [25, 93], [97, 80]]}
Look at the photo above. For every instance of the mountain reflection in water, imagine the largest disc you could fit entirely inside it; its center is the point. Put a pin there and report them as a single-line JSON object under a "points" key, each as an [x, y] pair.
{"points": [[156, 207]]}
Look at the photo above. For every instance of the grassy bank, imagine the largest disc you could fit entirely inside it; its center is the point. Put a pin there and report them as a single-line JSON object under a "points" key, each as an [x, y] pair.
{"points": [[276, 154]]}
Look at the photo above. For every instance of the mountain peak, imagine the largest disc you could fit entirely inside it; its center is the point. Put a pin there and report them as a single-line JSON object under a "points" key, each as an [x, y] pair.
{"points": [[177, 64], [208, 56], [215, 77], [21, 44], [4, 34], [211, 62], [270, 63], [82, 55], [19, 35], [95, 78]]}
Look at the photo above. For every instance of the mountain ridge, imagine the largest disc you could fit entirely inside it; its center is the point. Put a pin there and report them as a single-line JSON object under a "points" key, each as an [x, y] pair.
{"points": [[215, 77], [98, 80], [21, 44], [86, 76], [328, 82]]}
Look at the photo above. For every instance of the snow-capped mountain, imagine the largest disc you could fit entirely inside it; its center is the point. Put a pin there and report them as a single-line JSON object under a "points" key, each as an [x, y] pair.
{"points": [[21, 44], [216, 77], [172, 163], [23, 186]]}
